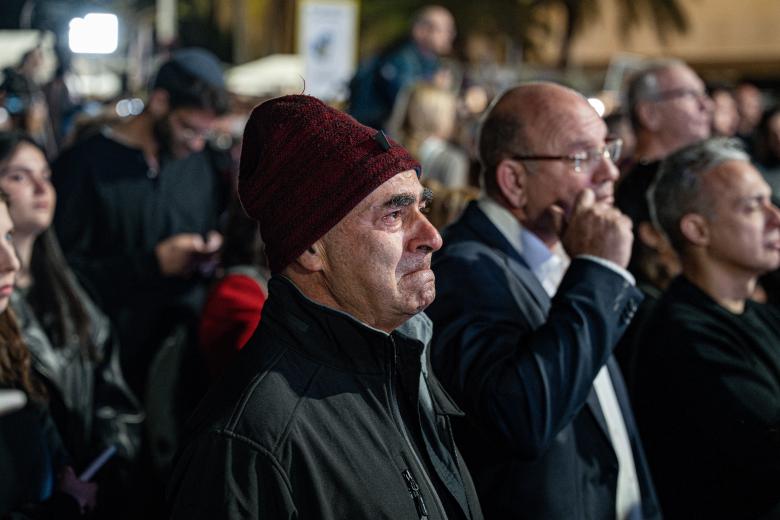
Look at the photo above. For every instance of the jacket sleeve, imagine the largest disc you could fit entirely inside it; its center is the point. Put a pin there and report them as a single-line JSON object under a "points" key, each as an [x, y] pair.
{"points": [[520, 371], [221, 475], [77, 221]]}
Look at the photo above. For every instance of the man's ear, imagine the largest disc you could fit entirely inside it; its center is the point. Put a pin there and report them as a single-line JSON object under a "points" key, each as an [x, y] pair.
{"points": [[511, 178], [312, 259], [649, 236], [158, 103], [695, 229]]}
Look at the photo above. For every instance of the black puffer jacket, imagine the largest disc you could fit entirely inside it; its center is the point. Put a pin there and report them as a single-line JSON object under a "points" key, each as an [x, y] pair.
{"points": [[323, 417]]}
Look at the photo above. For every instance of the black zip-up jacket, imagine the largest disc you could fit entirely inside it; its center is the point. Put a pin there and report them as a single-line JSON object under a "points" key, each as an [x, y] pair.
{"points": [[324, 417]]}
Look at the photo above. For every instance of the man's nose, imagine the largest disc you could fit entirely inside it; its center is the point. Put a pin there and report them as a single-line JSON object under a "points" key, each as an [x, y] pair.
{"points": [[606, 171], [773, 215], [426, 238], [706, 103]]}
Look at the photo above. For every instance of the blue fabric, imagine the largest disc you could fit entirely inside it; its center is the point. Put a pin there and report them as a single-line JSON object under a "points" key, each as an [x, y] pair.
{"points": [[522, 368], [379, 80]]}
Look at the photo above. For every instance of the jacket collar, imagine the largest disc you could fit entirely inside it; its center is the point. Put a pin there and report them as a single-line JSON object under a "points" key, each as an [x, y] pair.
{"points": [[335, 338], [474, 226]]}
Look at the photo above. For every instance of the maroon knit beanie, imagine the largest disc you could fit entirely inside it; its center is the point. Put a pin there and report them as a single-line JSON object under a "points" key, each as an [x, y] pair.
{"points": [[304, 166]]}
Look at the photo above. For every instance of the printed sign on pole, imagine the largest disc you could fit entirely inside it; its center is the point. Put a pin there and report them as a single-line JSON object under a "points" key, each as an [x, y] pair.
{"points": [[327, 40]]}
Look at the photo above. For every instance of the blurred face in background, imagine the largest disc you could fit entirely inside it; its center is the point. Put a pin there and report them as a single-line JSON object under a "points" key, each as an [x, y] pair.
{"points": [[25, 177], [750, 107], [435, 31], [185, 130], [684, 110], [725, 117]]}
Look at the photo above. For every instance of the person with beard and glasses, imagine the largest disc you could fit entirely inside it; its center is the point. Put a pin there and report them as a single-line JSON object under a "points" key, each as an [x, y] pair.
{"points": [[138, 203]]}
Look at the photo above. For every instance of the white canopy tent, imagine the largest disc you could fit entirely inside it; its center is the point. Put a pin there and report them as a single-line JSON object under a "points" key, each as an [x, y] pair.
{"points": [[273, 75]]}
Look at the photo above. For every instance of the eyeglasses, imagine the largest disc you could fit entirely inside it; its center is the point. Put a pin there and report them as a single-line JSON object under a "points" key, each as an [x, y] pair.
{"points": [[677, 93], [586, 159]]}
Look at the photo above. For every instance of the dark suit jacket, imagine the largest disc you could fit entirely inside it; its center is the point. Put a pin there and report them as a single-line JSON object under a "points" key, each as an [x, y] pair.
{"points": [[522, 367]]}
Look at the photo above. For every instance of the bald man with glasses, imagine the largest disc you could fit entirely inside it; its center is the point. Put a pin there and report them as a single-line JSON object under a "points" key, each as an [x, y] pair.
{"points": [[532, 297]]}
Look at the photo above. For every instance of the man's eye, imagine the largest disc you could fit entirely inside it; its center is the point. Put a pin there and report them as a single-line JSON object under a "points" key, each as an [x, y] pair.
{"points": [[392, 217], [425, 209]]}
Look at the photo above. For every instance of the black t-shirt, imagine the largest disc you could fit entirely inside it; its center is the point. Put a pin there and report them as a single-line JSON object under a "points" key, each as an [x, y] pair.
{"points": [[708, 405]]}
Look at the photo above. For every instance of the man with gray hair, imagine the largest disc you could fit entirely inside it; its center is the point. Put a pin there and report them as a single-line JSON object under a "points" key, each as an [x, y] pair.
{"points": [[669, 109], [708, 392]]}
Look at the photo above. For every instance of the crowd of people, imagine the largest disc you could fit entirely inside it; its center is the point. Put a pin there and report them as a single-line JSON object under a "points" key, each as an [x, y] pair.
{"points": [[441, 301]]}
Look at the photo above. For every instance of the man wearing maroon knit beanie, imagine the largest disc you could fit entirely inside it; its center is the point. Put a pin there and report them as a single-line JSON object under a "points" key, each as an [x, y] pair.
{"points": [[330, 410]]}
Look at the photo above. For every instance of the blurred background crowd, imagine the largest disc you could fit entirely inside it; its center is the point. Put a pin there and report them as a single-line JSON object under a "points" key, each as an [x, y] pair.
{"points": [[138, 276]]}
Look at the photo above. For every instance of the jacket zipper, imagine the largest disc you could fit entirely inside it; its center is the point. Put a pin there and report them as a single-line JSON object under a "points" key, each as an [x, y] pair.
{"points": [[402, 427], [414, 490]]}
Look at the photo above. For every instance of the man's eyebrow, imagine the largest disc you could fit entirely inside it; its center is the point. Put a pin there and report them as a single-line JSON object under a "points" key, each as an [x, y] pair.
{"points": [[400, 200]]}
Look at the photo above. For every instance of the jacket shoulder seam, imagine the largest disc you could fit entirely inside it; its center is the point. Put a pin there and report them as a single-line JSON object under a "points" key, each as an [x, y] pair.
{"points": [[247, 394], [294, 412], [268, 454]]}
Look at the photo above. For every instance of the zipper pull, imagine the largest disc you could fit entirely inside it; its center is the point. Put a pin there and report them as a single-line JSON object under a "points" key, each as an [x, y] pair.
{"points": [[414, 491]]}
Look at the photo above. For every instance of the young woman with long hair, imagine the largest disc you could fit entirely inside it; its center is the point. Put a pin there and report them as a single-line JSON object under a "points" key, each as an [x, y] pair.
{"points": [[36, 479], [70, 341]]}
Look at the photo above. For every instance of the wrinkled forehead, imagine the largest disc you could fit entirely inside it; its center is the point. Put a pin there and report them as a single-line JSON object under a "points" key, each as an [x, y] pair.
{"points": [[569, 127]]}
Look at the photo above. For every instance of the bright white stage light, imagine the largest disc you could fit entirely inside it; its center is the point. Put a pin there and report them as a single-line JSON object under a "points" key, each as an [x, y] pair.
{"points": [[96, 33]]}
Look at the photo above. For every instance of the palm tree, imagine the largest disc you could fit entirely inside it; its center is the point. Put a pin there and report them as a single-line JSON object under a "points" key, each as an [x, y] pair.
{"points": [[517, 18], [666, 15]]}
